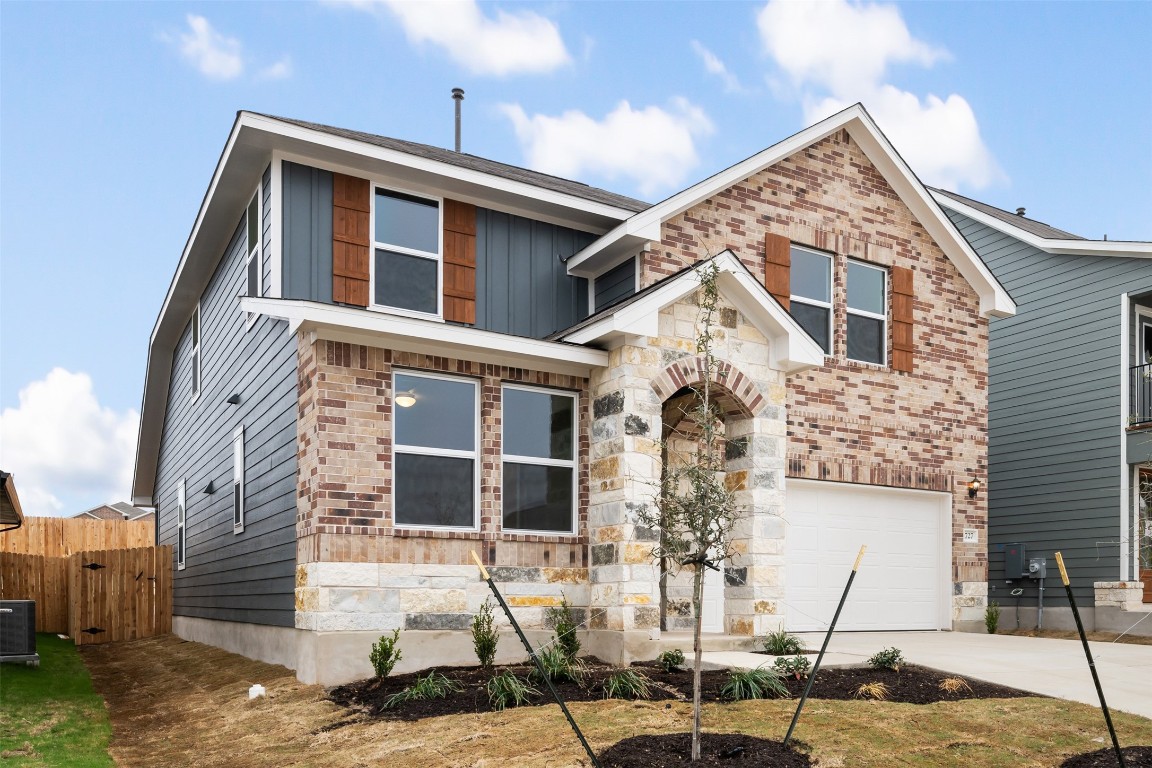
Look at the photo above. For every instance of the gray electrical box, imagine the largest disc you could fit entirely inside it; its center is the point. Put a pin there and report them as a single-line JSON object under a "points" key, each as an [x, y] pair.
{"points": [[1015, 562], [1038, 568]]}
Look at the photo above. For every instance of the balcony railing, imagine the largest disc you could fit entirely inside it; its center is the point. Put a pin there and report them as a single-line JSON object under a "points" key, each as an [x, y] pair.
{"points": [[1140, 395]]}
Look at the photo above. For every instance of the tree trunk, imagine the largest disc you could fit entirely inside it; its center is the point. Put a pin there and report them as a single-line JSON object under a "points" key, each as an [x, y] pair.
{"points": [[698, 649]]}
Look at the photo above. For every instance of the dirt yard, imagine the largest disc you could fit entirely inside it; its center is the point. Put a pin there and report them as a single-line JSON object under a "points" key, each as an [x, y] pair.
{"points": [[176, 703]]}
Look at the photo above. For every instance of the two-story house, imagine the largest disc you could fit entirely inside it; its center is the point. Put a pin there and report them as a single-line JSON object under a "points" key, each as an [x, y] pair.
{"points": [[377, 357], [1070, 404]]}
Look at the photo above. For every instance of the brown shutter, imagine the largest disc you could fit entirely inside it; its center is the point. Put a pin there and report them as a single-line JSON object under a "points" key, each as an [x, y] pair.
{"points": [[778, 267], [459, 262], [903, 344], [350, 245]]}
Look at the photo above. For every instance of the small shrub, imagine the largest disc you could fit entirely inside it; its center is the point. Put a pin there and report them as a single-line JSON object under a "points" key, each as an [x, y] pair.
{"points": [[507, 690], [560, 618], [954, 685], [782, 643], [629, 684], [485, 635], [992, 617], [433, 686], [759, 683], [877, 691], [670, 660], [559, 668], [385, 654], [793, 666], [889, 658]]}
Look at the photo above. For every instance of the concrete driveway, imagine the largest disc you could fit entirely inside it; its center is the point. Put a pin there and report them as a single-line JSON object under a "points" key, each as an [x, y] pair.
{"points": [[1055, 668]]}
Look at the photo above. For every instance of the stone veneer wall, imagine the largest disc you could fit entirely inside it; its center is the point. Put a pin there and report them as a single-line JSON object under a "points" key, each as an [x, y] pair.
{"points": [[856, 422], [355, 571]]}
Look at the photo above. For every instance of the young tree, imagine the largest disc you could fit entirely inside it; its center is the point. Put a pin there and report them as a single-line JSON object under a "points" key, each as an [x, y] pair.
{"points": [[694, 510]]}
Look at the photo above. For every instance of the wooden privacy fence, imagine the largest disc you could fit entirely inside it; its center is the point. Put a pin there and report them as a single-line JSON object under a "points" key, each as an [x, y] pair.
{"points": [[95, 596], [62, 536]]}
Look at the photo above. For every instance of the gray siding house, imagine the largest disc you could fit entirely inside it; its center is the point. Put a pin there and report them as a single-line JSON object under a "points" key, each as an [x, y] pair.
{"points": [[1070, 407]]}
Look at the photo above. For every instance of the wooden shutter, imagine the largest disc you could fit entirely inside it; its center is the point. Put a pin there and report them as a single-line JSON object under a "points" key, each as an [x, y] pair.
{"points": [[459, 262], [903, 344], [350, 239], [778, 267]]}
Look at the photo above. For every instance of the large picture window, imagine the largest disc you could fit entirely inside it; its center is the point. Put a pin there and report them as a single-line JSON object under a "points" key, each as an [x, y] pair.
{"points": [[434, 451], [867, 313], [539, 440], [811, 299], [406, 242]]}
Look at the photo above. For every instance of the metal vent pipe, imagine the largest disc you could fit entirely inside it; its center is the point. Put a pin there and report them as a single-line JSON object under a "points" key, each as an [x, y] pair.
{"points": [[458, 96]]}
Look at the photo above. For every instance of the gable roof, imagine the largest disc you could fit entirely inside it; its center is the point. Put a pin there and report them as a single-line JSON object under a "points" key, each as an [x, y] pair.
{"points": [[1039, 235], [791, 348], [102, 512], [645, 226]]}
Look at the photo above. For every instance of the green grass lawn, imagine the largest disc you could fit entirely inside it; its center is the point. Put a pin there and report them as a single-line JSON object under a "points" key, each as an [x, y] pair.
{"points": [[49, 715]]}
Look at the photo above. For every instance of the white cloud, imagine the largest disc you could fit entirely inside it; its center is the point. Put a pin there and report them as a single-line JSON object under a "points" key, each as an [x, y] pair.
{"points": [[61, 443], [714, 66], [215, 55], [651, 146], [511, 43], [278, 71], [837, 53]]}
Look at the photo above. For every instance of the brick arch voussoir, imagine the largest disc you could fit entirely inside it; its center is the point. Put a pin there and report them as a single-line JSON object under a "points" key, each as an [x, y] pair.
{"points": [[740, 396]]}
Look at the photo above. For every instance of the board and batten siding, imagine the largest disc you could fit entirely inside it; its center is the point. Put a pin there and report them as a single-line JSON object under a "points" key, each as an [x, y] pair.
{"points": [[307, 235], [1054, 400], [250, 576]]}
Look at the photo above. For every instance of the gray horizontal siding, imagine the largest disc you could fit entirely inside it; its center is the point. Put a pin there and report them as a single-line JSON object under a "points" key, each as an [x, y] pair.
{"points": [[250, 576], [616, 284], [1055, 405]]}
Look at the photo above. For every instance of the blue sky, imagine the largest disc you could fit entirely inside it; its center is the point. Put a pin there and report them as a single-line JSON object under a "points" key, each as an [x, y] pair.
{"points": [[113, 115]]}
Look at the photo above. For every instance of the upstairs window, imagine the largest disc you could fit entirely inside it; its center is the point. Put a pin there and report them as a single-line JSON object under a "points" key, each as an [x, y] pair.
{"points": [[811, 299], [181, 524], [539, 440], [406, 241], [435, 477], [867, 313], [196, 352], [238, 480]]}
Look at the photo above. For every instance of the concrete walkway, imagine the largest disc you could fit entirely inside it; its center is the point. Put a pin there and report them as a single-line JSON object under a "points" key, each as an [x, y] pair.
{"points": [[1056, 668]]}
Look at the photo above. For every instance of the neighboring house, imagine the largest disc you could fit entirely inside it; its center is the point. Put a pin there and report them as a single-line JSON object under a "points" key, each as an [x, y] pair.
{"points": [[377, 357], [11, 515], [1070, 406], [117, 511]]}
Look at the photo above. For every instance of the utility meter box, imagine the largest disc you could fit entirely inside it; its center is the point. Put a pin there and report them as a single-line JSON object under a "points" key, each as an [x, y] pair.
{"points": [[1015, 562]]}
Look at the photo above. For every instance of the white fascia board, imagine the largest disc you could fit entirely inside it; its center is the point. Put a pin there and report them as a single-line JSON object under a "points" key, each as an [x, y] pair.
{"points": [[429, 337], [1133, 249]]}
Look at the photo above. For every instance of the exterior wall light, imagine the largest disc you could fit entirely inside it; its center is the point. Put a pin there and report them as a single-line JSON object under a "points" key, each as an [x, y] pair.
{"points": [[406, 399], [973, 488]]}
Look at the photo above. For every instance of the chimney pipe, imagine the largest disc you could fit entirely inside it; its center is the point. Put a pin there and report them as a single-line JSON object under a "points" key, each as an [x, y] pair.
{"points": [[458, 96], [1019, 211]]}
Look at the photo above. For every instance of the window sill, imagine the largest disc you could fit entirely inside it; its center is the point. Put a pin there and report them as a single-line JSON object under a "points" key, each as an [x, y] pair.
{"points": [[386, 310]]}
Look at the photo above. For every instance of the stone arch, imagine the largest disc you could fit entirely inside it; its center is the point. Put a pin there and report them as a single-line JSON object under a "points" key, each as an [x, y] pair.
{"points": [[738, 395]]}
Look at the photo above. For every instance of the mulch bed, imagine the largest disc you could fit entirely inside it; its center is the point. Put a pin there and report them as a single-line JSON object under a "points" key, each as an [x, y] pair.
{"points": [[716, 749], [911, 685], [1134, 757]]}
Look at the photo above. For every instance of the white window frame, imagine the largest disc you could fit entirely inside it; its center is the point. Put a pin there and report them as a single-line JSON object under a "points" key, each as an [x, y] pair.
{"points": [[197, 345], [540, 462], [883, 317], [817, 303], [438, 257], [181, 525], [238, 480], [255, 251], [474, 454]]}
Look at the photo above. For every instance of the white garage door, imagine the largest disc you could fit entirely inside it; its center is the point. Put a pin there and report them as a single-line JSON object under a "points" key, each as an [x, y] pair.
{"points": [[903, 580]]}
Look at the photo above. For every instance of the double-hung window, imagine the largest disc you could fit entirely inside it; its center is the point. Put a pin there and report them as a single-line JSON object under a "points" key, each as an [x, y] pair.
{"points": [[196, 352], [811, 299], [254, 274], [238, 480], [181, 524], [539, 439], [435, 477], [406, 263], [867, 313]]}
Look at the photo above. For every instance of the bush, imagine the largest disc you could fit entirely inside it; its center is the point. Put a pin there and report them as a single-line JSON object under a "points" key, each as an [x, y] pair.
{"points": [[560, 618], [484, 635], [670, 660], [954, 685], [793, 666], [385, 654], [629, 684], [782, 643], [433, 686], [889, 658], [877, 691], [992, 617], [759, 683], [558, 667], [507, 690]]}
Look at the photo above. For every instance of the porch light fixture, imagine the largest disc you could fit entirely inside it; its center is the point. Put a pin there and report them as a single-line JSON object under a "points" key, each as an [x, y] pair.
{"points": [[210, 488], [234, 399], [973, 488], [406, 399]]}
